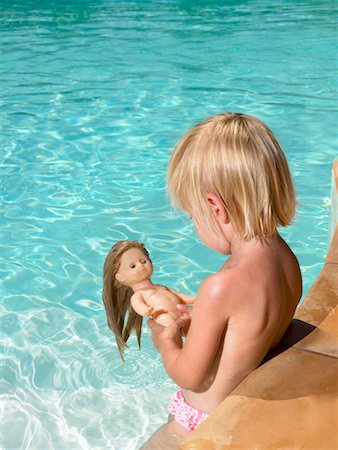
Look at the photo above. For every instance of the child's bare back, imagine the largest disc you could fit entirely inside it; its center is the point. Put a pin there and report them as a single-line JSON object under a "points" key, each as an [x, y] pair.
{"points": [[255, 296]]}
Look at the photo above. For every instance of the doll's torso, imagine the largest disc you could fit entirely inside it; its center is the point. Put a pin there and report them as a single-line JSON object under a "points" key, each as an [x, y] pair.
{"points": [[161, 298]]}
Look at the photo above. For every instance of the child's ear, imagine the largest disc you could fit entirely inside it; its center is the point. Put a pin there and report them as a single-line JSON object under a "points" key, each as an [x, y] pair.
{"points": [[218, 207]]}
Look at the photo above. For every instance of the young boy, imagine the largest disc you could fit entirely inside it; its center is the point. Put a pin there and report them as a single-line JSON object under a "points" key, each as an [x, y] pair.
{"points": [[231, 176]]}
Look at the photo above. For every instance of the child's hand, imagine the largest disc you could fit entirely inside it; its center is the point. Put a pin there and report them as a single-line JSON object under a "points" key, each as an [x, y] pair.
{"points": [[159, 333], [184, 309]]}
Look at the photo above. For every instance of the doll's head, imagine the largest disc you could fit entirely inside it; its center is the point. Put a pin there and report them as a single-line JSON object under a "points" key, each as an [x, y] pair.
{"points": [[135, 267], [116, 296]]}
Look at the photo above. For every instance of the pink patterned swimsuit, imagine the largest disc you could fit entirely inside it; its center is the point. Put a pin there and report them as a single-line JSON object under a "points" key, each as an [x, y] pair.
{"points": [[184, 414]]}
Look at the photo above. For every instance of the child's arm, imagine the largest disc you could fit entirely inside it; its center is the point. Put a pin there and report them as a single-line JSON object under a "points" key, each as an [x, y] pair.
{"points": [[188, 366]]}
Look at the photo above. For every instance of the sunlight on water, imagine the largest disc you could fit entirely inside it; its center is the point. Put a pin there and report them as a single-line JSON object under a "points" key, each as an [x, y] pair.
{"points": [[95, 96]]}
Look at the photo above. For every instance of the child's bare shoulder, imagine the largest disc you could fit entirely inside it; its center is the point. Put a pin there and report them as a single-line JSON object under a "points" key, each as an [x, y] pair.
{"points": [[220, 287]]}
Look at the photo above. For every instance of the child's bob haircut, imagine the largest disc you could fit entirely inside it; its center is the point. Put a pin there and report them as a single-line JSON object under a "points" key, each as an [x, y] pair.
{"points": [[237, 158]]}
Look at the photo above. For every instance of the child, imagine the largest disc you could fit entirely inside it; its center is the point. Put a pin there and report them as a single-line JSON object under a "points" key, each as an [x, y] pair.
{"points": [[231, 176], [129, 291]]}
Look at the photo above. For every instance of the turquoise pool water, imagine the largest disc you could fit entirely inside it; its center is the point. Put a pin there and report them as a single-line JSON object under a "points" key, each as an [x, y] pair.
{"points": [[94, 96]]}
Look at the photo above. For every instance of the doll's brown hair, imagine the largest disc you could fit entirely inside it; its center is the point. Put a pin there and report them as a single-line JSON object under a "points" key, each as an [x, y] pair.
{"points": [[116, 297]]}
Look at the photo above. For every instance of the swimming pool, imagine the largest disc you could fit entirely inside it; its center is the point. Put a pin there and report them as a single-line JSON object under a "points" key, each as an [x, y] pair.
{"points": [[95, 95]]}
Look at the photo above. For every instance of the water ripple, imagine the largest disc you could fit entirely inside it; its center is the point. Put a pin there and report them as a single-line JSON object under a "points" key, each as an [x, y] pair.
{"points": [[95, 96]]}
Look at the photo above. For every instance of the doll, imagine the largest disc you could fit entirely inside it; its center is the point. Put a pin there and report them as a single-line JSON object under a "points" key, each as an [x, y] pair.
{"points": [[128, 290]]}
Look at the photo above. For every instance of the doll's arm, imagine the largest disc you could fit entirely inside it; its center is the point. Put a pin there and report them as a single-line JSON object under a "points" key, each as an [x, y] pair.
{"points": [[139, 305], [188, 299], [142, 308]]}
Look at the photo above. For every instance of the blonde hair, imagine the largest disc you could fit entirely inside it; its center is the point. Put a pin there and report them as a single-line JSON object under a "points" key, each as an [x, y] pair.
{"points": [[236, 157], [116, 297]]}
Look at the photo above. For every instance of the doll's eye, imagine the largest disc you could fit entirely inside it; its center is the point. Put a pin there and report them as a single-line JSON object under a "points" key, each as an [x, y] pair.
{"points": [[132, 266], [143, 261]]}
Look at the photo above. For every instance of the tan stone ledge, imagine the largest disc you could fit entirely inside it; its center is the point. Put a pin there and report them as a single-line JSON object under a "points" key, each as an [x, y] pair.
{"points": [[322, 297], [324, 338], [334, 198], [284, 404], [335, 173], [332, 255]]}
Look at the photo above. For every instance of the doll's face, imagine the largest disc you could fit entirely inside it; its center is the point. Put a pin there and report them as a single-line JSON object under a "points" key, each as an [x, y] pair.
{"points": [[135, 267]]}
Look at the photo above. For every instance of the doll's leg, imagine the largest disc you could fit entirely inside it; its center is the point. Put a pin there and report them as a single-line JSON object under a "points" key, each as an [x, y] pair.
{"points": [[166, 319]]}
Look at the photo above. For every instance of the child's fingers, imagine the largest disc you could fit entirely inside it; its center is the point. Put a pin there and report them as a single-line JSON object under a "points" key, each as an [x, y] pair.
{"points": [[182, 320], [184, 309]]}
